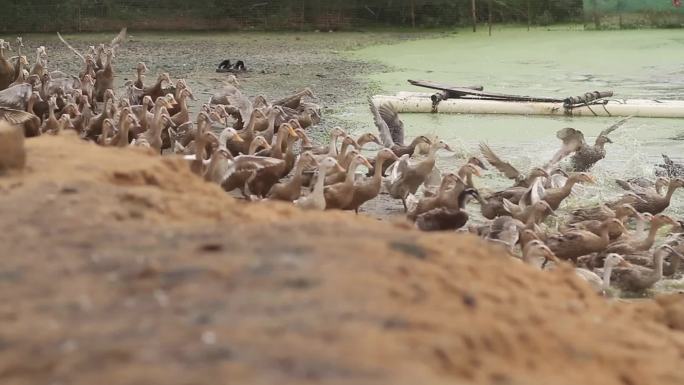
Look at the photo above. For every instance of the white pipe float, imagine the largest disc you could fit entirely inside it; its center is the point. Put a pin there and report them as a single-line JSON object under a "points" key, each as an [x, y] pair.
{"points": [[420, 102]]}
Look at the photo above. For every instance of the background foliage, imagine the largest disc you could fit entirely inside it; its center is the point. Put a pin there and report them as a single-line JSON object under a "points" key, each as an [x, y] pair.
{"points": [[50, 15]]}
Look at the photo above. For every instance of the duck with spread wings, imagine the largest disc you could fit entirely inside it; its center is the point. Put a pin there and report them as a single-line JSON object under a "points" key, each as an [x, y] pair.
{"points": [[585, 155], [391, 129]]}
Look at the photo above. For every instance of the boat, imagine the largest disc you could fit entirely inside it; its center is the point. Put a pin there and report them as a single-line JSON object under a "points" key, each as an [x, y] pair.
{"points": [[473, 100]]}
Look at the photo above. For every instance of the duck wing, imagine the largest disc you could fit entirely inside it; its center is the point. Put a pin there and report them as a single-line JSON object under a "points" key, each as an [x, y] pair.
{"points": [[506, 168], [243, 105], [572, 140], [383, 129], [119, 39], [15, 117], [614, 126], [390, 115]]}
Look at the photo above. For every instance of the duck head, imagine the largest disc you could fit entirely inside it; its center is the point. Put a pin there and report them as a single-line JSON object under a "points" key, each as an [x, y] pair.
{"points": [[613, 260], [475, 161]]}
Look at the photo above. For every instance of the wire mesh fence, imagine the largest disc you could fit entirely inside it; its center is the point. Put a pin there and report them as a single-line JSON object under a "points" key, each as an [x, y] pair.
{"points": [[94, 15]]}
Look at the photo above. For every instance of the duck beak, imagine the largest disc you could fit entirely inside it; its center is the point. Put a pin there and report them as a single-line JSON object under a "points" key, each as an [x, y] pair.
{"points": [[367, 163], [291, 130], [624, 263], [446, 147], [237, 139]]}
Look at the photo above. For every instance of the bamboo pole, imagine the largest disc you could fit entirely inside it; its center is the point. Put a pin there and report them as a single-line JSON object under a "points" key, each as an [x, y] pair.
{"points": [[529, 14], [473, 11]]}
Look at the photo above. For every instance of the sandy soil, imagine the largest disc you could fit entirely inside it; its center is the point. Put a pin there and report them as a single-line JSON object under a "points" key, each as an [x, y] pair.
{"points": [[121, 266]]}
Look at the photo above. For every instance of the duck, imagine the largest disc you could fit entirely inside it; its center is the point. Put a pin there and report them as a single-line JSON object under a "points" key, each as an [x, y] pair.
{"points": [[644, 186], [294, 101], [7, 74], [632, 245], [391, 130], [266, 177], [555, 196], [669, 168], [427, 203], [368, 189], [573, 244], [247, 134], [182, 116], [655, 203], [636, 279], [140, 70], [601, 283], [157, 89], [536, 254], [406, 177], [586, 156], [505, 230], [622, 213], [535, 213], [600, 213], [444, 218], [316, 199], [520, 179], [340, 195], [104, 78], [291, 190], [348, 151], [50, 124], [331, 148]]}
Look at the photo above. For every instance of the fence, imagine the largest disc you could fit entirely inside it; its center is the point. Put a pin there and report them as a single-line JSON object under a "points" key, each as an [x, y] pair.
{"points": [[602, 14], [95, 15]]}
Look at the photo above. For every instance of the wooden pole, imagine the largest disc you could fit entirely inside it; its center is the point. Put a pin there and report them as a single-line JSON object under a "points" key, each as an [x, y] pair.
{"points": [[473, 11], [529, 14], [413, 14], [489, 21]]}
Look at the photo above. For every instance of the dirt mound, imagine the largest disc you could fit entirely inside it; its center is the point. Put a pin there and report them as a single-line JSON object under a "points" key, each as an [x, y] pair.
{"points": [[120, 266]]}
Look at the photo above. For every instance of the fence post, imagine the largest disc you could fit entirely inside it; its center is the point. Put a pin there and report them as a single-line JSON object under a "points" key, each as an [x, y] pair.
{"points": [[489, 9], [413, 14], [529, 14], [473, 11]]}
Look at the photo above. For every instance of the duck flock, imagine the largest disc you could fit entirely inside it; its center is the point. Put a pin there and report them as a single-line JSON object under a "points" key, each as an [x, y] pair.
{"points": [[261, 150]]}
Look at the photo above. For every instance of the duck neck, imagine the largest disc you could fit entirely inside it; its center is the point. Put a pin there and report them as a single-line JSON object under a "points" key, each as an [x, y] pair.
{"points": [[253, 147], [567, 187], [343, 152], [466, 174], [606, 277], [140, 75], [277, 151], [650, 237], [658, 261], [332, 148], [377, 173], [299, 169], [183, 100], [320, 184], [123, 134], [670, 190], [351, 172], [605, 236]]}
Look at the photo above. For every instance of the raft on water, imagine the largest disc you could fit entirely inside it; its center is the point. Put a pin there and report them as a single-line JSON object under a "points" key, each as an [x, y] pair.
{"points": [[472, 100]]}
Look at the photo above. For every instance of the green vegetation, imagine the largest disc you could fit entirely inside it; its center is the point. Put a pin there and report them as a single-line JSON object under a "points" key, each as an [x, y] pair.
{"points": [[74, 15]]}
